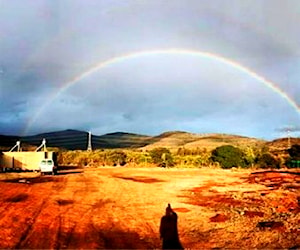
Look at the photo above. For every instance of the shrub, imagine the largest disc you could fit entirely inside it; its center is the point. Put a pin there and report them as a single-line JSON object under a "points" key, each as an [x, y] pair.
{"points": [[82, 160], [192, 160], [136, 158], [228, 156], [266, 160], [293, 160], [250, 155], [93, 158], [116, 158], [293, 163], [68, 157], [162, 157], [294, 152]]}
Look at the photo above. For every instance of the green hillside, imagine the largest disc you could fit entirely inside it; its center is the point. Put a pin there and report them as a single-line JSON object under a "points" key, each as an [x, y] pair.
{"points": [[78, 140], [176, 139]]}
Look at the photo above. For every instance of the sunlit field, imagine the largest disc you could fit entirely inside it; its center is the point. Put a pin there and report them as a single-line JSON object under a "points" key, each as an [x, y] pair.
{"points": [[114, 208]]}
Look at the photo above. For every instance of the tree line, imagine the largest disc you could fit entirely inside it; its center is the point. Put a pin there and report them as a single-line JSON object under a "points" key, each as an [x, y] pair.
{"points": [[226, 157]]}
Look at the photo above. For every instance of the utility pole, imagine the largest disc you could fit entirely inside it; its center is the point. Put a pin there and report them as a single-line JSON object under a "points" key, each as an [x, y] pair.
{"points": [[89, 148], [288, 132]]}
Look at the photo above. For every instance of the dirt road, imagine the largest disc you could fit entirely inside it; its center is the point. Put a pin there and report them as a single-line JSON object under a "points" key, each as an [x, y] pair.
{"points": [[121, 208]]}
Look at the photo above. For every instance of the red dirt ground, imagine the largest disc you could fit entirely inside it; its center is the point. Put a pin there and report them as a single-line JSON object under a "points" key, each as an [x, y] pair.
{"points": [[121, 208]]}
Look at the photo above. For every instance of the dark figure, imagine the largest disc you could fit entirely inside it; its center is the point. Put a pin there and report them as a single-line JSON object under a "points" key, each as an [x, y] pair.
{"points": [[168, 230]]}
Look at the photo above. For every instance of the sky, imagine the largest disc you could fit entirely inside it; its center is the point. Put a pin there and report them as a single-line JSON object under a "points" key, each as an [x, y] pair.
{"points": [[114, 65]]}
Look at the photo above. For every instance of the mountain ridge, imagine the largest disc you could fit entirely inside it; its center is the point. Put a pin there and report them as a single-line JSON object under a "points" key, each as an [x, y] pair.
{"points": [[71, 139]]}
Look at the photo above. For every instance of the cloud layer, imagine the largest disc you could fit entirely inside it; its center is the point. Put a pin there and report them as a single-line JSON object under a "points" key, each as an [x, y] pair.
{"points": [[44, 44]]}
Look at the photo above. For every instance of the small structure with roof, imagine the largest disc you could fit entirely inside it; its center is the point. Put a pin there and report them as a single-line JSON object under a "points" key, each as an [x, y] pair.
{"points": [[16, 159]]}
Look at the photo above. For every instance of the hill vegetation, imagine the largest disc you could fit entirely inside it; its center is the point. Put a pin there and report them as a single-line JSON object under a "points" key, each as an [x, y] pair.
{"points": [[174, 148], [78, 140]]}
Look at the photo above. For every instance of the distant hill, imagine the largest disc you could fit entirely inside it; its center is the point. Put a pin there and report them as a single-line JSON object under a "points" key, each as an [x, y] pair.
{"points": [[176, 139], [172, 139], [280, 146], [212, 141], [6, 142], [68, 139], [120, 140], [75, 139]]}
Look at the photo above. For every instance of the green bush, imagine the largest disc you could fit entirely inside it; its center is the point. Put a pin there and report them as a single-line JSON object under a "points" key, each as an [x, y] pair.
{"points": [[292, 163], [294, 152], [266, 160], [137, 158], [192, 160], [68, 157], [116, 158], [82, 160], [93, 158], [162, 157], [228, 157], [250, 155]]}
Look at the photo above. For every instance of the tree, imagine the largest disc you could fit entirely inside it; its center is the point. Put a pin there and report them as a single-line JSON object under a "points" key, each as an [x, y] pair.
{"points": [[294, 157], [249, 155], [162, 157], [228, 156], [266, 160], [294, 152], [116, 158]]}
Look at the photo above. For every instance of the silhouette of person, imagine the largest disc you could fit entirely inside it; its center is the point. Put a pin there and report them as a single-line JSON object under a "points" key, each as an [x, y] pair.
{"points": [[168, 230]]}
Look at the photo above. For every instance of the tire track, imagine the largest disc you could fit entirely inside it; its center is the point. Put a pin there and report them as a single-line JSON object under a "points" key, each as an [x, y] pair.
{"points": [[26, 234], [28, 238], [79, 212]]}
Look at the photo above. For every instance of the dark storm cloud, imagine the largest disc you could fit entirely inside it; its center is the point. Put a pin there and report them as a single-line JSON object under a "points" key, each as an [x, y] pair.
{"points": [[44, 44]]}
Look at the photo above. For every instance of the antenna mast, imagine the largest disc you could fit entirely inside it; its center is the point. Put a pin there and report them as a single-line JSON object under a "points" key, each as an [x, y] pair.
{"points": [[89, 148], [42, 145], [288, 135], [16, 146]]}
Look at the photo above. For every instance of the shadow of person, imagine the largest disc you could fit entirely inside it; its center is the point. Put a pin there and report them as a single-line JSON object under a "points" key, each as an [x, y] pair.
{"points": [[168, 230]]}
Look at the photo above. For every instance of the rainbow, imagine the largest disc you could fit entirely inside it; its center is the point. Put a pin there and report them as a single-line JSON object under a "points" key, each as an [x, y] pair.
{"points": [[185, 52]]}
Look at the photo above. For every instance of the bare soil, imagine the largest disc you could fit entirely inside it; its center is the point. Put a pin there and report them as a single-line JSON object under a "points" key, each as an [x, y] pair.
{"points": [[121, 208]]}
